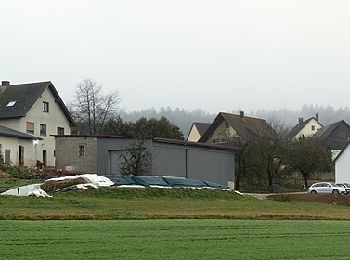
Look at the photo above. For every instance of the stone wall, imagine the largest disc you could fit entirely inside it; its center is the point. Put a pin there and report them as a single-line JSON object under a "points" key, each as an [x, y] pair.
{"points": [[68, 157]]}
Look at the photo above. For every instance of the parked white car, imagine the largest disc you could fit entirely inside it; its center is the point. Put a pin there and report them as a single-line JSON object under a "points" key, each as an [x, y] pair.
{"points": [[326, 187], [345, 185]]}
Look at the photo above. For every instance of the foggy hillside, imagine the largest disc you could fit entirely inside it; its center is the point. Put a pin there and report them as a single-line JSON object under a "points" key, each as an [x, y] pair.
{"points": [[184, 119], [180, 117]]}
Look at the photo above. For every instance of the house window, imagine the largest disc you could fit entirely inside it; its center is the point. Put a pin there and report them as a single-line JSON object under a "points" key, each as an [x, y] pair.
{"points": [[30, 128], [45, 106], [81, 150], [42, 130], [60, 131], [313, 128], [227, 125], [11, 103]]}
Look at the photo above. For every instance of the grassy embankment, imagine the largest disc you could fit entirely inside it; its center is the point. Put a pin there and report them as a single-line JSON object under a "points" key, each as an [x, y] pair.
{"points": [[162, 204], [174, 239], [157, 204]]}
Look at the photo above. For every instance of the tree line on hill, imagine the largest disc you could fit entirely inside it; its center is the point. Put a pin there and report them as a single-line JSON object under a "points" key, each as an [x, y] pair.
{"points": [[143, 128], [92, 107], [184, 118], [96, 113]]}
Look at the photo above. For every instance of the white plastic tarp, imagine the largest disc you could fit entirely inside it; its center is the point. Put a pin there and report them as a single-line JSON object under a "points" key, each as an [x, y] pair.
{"points": [[94, 181], [29, 190], [97, 180]]}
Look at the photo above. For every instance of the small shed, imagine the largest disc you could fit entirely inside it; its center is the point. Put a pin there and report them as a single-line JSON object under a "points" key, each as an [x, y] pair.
{"points": [[100, 154], [342, 165]]}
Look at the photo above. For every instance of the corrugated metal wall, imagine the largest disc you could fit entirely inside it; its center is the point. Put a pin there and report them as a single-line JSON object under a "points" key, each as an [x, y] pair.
{"points": [[171, 160], [114, 159], [168, 160], [193, 162], [211, 165], [108, 152]]}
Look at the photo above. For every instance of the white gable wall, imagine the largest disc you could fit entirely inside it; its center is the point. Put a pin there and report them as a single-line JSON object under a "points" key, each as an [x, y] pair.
{"points": [[53, 119], [342, 166], [194, 135], [222, 133], [307, 130]]}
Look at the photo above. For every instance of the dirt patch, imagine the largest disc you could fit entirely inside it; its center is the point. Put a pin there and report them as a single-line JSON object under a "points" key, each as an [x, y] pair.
{"points": [[324, 198], [3, 175], [265, 196]]}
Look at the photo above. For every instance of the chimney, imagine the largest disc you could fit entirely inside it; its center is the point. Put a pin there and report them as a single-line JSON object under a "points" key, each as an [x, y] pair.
{"points": [[241, 113], [301, 120], [5, 83], [317, 116]]}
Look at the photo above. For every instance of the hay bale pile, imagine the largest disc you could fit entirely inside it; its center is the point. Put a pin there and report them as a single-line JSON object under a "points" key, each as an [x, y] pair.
{"points": [[54, 185]]}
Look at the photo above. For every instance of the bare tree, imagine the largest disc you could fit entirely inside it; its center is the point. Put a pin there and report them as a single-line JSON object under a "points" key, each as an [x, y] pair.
{"points": [[262, 156], [242, 157], [270, 151], [91, 108], [136, 160], [308, 155]]}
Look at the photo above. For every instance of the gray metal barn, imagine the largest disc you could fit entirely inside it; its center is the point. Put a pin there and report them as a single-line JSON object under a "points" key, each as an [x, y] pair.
{"points": [[100, 154]]}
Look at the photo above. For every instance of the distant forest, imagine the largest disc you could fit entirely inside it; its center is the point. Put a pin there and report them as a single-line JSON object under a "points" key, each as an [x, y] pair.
{"points": [[184, 119]]}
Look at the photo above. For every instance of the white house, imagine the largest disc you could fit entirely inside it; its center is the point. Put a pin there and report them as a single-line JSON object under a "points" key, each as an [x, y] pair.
{"points": [[305, 128], [33, 110], [342, 166], [197, 130]]}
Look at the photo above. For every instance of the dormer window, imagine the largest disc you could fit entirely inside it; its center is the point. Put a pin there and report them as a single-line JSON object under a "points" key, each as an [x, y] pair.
{"points": [[45, 106], [11, 103]]}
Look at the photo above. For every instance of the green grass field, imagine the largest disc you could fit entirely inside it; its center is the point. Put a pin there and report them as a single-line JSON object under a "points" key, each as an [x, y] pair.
{"points": [[174, 239], [174, 224]]}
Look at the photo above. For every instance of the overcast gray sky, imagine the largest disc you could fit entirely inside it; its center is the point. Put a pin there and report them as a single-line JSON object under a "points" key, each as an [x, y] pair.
{"points": [[217, 55]]}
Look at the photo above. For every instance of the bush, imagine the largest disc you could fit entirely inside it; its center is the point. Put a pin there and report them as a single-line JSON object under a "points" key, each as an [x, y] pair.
{"points": [[20, 173]]}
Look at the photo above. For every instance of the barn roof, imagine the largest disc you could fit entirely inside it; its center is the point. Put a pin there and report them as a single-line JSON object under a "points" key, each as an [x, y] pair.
{"points": [[329, 129]]}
